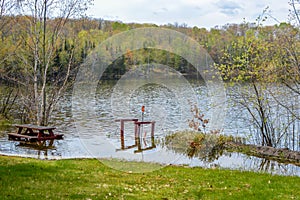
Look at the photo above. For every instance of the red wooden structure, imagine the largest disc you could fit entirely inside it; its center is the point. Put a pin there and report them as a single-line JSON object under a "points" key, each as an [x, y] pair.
{"points": [[122, 129], [137, 134]]}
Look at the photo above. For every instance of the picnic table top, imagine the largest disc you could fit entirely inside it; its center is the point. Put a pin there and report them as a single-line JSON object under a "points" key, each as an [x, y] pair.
{"points": [[126, 119], [145, 122], [35, 127]]}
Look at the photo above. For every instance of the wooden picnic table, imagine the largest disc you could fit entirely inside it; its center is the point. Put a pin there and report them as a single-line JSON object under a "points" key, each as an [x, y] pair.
{"points": [[137, 134], [29, 132], [138, 127], [122, 129]]}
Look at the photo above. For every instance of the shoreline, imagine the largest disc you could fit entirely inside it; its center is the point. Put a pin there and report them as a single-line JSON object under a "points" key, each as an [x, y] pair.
{"points": [[282, 155]]}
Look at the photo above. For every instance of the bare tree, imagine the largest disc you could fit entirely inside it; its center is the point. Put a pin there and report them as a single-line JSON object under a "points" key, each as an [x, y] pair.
{"points": [[43, 27], [295, 11], [288, 56]]}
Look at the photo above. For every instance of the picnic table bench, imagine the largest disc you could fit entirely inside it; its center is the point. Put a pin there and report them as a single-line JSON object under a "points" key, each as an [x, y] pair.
{"points": [[29, 132]]}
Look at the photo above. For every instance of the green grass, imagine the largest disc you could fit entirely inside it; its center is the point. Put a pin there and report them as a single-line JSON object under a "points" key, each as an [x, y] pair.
{"points": [[23, 178]]}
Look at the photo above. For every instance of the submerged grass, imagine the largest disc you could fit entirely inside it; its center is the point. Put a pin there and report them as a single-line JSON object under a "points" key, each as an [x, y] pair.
{"points": [[23, 178]]}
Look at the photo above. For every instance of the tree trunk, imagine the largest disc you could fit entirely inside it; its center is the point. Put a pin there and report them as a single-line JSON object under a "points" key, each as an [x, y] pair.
{"points": [[36, 67]]}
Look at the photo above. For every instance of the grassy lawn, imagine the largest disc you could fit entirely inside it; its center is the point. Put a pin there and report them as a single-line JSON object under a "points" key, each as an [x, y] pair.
{"points": [[23, 178]]}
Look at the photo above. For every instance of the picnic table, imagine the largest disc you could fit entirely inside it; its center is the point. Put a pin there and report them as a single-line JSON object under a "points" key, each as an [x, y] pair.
{"points": [[137, 128], [137, 134], [122, 127], [29, 132]]}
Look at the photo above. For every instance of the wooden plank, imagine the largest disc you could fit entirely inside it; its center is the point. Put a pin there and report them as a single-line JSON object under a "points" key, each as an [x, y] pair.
{"points": [[16, 135], [59, 136], [126, 120], [45, 137], [139, 123], [35, 127]]}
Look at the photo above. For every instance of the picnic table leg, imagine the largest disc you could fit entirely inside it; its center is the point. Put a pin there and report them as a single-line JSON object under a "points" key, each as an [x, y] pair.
{"points": [[40, 134], [122, 135], [137, 130], [51, 143], [152, 135], [51, 134], [20, 130], [153, 142], [152, 128], [26, 131], [30, 131], [137, 135], [138, 139]]}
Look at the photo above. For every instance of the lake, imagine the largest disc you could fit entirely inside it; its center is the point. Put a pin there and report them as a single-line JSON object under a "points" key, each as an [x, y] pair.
{"points": [[87, 119]]}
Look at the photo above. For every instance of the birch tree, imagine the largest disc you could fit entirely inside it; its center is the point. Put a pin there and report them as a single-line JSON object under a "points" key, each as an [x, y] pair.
{"points": [[42, 36]]}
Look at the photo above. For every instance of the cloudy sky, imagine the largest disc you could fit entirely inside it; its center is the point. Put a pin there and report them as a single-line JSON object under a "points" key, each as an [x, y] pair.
{"points": [[201, 13]]}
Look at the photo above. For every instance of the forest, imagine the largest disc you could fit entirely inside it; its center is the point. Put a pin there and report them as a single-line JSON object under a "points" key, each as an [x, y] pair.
{"points": [[40, 54]]}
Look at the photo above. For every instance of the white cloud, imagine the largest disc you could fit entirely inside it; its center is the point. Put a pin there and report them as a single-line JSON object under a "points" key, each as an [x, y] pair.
{"points": [[229, 7], [202, 13]]}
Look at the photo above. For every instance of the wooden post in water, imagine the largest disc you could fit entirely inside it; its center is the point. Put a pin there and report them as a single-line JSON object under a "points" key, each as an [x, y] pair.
{"points": [[122, 134], [152, 129], [143, 111]]}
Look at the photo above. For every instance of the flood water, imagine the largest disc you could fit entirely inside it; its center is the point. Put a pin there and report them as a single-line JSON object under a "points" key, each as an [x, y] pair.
{"points": [[88, 122]]}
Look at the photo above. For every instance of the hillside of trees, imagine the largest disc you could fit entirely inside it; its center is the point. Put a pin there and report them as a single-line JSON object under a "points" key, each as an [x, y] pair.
{"points": [[232, 47]]}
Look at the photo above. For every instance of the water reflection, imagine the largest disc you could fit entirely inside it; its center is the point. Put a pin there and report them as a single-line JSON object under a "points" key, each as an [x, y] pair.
{"points": [[38, 145], [140, 145], [44, 148]]}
